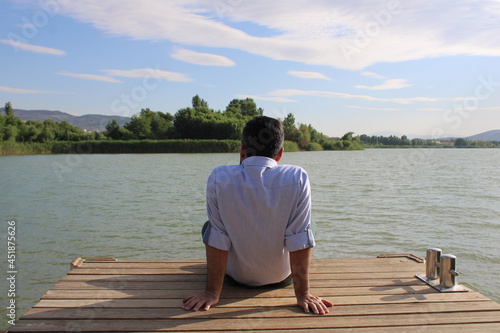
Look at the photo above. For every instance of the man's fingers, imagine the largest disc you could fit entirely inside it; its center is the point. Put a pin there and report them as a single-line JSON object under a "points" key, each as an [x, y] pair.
{"points": [[327, 303], [198, 305], [187, 299], [192, 304]]}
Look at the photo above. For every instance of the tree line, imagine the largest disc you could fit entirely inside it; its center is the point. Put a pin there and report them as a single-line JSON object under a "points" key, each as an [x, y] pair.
{"points": [[200, 122], [197, 122], [13, 129], [403, 142]]}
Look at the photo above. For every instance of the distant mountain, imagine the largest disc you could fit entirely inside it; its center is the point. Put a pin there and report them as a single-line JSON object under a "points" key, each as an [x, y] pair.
{"points": [[493, 135], [90, 122]]}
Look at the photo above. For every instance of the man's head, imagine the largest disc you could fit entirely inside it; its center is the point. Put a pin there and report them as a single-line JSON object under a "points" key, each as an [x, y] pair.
{"points": [[263, 136]]}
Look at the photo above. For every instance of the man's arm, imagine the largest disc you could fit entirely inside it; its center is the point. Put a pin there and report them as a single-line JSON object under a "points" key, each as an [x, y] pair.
{"points": [[300, 262], [216, 267]]}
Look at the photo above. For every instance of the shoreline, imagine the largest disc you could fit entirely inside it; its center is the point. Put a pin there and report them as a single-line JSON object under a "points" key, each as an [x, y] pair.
{"points": [[159, 147]]}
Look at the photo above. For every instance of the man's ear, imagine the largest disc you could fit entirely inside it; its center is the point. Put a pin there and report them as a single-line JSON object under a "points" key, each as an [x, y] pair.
{"points": [[280, 155], [243, 153]]}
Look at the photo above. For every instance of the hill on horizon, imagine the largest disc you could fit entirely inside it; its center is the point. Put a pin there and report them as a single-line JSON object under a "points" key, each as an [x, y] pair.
{"points": [[89, 122], [493, 135]]}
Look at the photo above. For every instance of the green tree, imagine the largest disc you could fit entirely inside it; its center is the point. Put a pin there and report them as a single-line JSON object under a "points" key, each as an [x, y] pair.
{"points": [[140, 125], [201, 122], [304, 136], [32, 131], [233, 108], [12, 128], [347, 136], [405, 141], [9, 111], [113, 130], [348, 142], [316, 136], [245, 108], [461, 143], [151, 125], [417, 142], [197, 102], [289, 127], [11, 133], [249, 108]]}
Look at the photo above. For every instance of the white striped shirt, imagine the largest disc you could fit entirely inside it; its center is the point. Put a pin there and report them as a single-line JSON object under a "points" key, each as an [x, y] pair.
{"points": [[259, 211]]}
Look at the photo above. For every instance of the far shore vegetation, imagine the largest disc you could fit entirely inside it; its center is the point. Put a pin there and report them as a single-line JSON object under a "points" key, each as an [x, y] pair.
{"points": [[195, 129]]}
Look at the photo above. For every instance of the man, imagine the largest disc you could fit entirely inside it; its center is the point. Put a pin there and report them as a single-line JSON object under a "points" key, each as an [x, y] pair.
{"points": [[258, 233]]}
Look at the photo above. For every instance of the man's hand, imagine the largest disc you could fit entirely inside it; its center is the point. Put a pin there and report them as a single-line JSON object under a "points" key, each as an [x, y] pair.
{"points": [[309, 303], [202, 300], [216, 267], [300, 262]]}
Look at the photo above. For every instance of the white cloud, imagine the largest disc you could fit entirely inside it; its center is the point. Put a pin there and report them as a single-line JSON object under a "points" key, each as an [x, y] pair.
{"points": [[26, 91], [308, 75], [333, 94], [373, 75], [388, 84], [268, 98], [344, 34], [431, 109], [371, 109], [32, 48], [149, 73], [90, 77], [203, 59]]}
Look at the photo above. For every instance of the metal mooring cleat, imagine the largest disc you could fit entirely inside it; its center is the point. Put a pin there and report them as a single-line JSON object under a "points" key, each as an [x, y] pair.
{"points": [[440, 271]]}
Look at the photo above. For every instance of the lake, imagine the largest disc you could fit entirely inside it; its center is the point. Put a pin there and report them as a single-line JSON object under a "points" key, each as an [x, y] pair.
{"points": [[152, 207]]}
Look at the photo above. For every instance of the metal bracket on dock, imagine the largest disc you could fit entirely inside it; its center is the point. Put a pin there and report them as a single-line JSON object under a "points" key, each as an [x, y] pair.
{"points": [[440, 271], [401, 255]]}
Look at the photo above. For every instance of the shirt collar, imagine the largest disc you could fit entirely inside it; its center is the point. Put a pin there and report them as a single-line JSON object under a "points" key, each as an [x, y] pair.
{"points": [[259, 161]]}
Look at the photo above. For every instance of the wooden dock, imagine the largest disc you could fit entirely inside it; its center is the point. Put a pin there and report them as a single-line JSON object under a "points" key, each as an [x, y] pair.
{"points": [[370, 295]]}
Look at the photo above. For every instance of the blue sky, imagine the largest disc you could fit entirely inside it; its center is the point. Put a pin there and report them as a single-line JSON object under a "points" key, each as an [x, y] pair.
{"points": [[421, 68]]}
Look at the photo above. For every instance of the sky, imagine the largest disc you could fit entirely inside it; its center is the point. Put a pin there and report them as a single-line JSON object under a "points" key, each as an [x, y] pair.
{"points": [[419, 68]]}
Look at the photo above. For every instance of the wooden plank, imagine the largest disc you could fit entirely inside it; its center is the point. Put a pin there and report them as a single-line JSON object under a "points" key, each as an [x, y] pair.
{"points": [[368, 266], [126, 271], [381, 260], [322, 261], [136, 277], [117, 284], [146, 276], [462, 328], [233, 292], [248, 312], [409, 269], [253, 301], [263, 323], [173, 262], [319, 261]]}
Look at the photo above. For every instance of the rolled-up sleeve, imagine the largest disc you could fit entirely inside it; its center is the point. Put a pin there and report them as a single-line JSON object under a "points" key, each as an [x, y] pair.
{"points": [[298, 234], [215, 235]]}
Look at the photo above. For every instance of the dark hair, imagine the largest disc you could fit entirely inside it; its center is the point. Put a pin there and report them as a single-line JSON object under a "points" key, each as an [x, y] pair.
{"points": [[263, 136]]}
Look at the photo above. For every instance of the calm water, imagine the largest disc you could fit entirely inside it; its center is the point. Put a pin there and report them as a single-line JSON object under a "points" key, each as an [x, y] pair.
{"points": [[152, 207]]}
